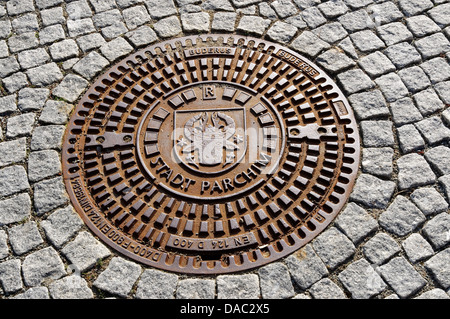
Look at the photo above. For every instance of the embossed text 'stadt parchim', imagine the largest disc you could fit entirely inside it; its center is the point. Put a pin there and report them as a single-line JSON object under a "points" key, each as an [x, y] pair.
{"points": [[211, 154]]}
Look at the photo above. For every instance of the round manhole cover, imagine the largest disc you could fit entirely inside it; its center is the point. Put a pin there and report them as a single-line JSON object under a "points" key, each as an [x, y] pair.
{"points": [[211, 154]]}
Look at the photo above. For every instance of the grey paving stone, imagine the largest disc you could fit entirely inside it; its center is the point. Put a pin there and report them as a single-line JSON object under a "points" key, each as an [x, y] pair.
{"points": [[41, 266], [77, 10], [16, 7], [4, 249], [266, 11], [64, 50], [354, 81], [432, 45], [367, 105], [409, 138], [32, 58], [429, 201], [62, 225], [331, 32], [8, 104], [195, 22], [55, 112], [333, 9], [437, 230], [51, 34], [303, 4], [22, 42], [403, 54], [43, 164], [414, 78], [378, 161], [114, 31], [310, 44], [238, 287], [372, 192], [89, 66], [281, 32], [284, 8], [440, 14], [326, 289], [306, 267], [168, 27], [107, 18], [5, 29], [155, 284], [119, 277], [116, 49], [433, 130], [414, 7], [402, 217], [142, 36], [161, 8], [47, 137], [25, 23], [217, 5], [392, 87], [14, 151], [196, 289], [15, 82], [224, 21], [393, 33], [85, 251], [356, 223], [422, 25], [45, 75], [428, 102], [4, 51], [333, 247], [439, 158], [8, 66], [380, 248], [444, 181], [253, 25], [417, 248], [356, 20], [70, 88], [10, 277], [402, 277], [49, 194], [434, 294], [296, 21], [437, 69], [71, 287], [384, 12], [20, 125], [438, 267], [361, 280], [80, 27], [443, 90], [334, 61], [404, 111], [377, 133], [136, 16], [275, 281], [414, 171], [376, 64], [15, 209], [13, 179], [313, 17], [367, 41], [36, 293], [44, 4], [25, 237], [103, 5]]}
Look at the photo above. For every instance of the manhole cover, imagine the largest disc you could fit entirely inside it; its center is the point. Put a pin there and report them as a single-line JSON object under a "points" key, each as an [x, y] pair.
{"points": [[211, 154]]}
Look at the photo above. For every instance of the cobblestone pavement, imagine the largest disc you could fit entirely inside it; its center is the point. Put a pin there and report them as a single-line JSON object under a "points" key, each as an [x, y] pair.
{"points": [[391, 58]]}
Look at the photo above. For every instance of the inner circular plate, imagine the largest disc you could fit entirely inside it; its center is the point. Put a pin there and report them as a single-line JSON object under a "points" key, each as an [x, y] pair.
{"points": [[211, 154]]}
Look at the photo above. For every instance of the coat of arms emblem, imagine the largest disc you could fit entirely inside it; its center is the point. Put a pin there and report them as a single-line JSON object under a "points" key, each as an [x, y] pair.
{"points": [[210, 141]]}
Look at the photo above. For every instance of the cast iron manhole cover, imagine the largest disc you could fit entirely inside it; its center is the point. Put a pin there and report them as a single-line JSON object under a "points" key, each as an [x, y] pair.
{"points": [[211, 154]]}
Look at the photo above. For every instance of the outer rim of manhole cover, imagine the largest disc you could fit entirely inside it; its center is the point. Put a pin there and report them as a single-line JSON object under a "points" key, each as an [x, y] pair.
{"points": [[238, 214]]}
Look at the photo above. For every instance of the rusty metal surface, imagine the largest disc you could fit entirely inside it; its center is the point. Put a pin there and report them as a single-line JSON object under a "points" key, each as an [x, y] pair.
{"points": [[211, 154]]}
